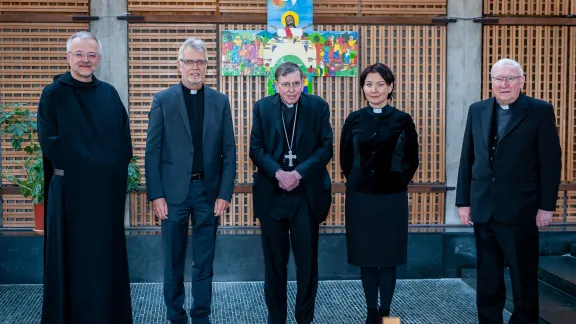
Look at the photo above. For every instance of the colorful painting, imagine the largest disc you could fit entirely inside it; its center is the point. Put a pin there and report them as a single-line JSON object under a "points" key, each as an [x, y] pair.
{"points": [[242, 52], [289, 18], [320, 54]]}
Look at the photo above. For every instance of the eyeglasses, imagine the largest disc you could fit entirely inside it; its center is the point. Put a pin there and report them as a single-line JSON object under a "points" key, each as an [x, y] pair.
{"points": [[190, 63], [80, 55], [509, 79], [288, 85]]}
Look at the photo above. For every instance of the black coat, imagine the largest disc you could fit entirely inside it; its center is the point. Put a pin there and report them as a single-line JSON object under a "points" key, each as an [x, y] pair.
{"points": [[527, 163], [378, 156], [84, 130], [314, 148]]}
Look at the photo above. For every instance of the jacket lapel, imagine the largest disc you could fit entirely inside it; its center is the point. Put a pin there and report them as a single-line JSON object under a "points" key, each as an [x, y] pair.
{"points": [[303, 111], [182, 108], [517, 114], [487, 120], [277, 116], [207, 111]]}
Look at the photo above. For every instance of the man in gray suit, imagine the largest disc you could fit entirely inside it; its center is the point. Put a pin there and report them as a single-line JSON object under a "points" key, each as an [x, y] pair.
{"points": [[190, 170]]}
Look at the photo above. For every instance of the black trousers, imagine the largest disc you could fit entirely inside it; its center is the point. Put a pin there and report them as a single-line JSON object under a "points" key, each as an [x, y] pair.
{"points": [[519, 246], [290, 223], [174, 241]]}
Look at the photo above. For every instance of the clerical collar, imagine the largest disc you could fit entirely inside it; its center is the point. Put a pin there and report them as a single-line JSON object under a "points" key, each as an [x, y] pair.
{"points": [[287, 105], [506, 107], [190, 91]]}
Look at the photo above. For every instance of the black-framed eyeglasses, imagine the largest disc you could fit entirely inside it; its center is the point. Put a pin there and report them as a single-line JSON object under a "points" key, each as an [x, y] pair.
{"points": [[190, 63]]}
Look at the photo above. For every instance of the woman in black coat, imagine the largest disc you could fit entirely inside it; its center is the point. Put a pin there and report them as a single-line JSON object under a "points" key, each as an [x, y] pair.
{"points": [[378, 156]]}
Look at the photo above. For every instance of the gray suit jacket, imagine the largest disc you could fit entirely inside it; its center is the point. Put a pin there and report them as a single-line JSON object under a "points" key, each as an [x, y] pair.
{"points": [[170, 150]]}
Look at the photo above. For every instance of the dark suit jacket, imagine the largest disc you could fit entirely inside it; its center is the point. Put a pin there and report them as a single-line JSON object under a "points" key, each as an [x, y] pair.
{"points": [[313, 145], [170, 150], [527, 165]]}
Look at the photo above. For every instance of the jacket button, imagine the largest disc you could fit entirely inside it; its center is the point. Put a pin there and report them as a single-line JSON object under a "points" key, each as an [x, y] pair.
{"points": [[493, 179], [374, 134], [372, 171], [373, 152]]}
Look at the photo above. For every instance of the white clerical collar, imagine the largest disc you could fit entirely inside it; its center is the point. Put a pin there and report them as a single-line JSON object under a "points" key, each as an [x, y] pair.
{"points": [[505, 107], [288, 105], [377, 110], [193, 92]]}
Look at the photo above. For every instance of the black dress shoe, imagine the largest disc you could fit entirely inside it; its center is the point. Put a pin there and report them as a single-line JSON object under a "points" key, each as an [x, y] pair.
{"points": [[384, 312], [372, 316]]}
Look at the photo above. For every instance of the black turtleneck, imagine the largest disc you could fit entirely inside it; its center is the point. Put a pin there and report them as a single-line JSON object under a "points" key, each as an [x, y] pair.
{"points": [[195, 109]]}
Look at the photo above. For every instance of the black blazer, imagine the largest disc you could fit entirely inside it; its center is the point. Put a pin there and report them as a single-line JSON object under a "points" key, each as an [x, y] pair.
{"points": [[170, 149], [314, 148], [527, 165]]}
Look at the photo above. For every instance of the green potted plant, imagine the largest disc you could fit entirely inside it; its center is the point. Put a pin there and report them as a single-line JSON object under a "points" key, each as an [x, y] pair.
{"points": [[19, 126]]}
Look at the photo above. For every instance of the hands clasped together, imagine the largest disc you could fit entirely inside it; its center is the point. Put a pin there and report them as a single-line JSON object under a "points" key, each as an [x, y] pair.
{"points": [[288, 180]]}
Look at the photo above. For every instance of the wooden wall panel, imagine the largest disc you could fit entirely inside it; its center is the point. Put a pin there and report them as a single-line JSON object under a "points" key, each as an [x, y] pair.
{"points": [[420, 91], [336, 7], [571, 206], [17, 211], [529, 7], [30, 56], [250, 7], [45, 6], [406, 7], [543, 53], [153, 55], [416, 55], [166, 6]]}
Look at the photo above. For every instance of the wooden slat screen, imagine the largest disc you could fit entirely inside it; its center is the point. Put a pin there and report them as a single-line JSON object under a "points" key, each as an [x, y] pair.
{"points": [[45, 6], [571, 206], [543, 53], [321, 7], [30, 56], [406, 7], [242, 7], [166, 6], [420, 91], [336, 7], [529, 7]]}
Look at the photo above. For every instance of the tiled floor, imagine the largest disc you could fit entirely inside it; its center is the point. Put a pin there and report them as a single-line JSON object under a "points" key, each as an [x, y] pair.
{"points": [[415, 301]]}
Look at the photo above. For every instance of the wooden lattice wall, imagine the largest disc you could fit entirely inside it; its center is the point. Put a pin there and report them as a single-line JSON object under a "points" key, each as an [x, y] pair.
{"points": [[420, 91], [30, 55], [44, 6], [530, 7], [321, 7]]}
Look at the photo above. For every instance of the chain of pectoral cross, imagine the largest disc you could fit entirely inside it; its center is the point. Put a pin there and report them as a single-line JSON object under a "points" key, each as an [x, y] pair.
{"points": [[290, 156]]}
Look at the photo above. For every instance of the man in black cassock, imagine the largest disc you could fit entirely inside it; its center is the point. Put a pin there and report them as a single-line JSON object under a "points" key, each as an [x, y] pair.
{"points": [[507, 187], [291, 144], [84, 134]]}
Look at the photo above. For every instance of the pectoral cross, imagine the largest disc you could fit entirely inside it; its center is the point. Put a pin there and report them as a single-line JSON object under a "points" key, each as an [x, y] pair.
{"points": [[290, 157]]}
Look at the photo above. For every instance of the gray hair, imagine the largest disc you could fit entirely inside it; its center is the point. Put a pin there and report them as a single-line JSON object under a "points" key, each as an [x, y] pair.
{"points": [[195, 44], [507, 61], [83, 35], [287, 68]]}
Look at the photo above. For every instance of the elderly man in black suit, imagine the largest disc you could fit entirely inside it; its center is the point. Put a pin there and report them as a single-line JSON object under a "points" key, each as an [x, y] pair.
{"points": [[507, 187], [190, 169], [291, 144]]}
